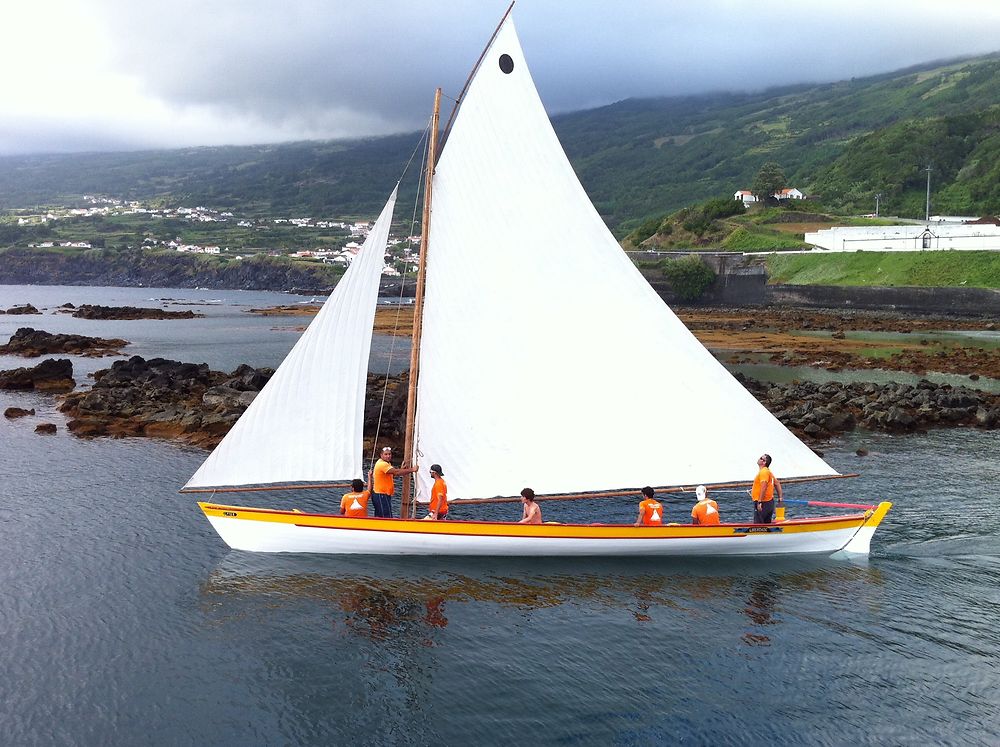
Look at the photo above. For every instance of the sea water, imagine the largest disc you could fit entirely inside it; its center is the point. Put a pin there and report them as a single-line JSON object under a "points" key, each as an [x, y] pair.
{"points": [[127, 621]]}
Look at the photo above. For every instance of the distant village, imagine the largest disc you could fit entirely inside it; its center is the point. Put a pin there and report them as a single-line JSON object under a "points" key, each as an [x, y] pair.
{"points": [[401, 250], [937, 232]]}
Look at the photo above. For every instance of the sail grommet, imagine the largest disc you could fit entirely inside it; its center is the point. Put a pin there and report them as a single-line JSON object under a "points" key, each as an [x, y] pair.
{"points": [[506, 64]]}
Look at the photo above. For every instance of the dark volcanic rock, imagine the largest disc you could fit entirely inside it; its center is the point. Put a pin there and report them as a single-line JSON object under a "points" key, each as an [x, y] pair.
{"points": [[163, 398], [45, 428], [23, 309], [187, 401], [816, 412], [88, 311], [17, 412], [50, 375], [32, 343]]}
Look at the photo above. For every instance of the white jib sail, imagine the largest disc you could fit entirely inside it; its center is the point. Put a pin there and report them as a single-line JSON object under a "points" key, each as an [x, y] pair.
{"points": [[547, 360], [306, 424]]}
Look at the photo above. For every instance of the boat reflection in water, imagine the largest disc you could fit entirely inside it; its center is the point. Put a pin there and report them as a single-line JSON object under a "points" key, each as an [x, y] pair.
{"points": [[391, 600]]}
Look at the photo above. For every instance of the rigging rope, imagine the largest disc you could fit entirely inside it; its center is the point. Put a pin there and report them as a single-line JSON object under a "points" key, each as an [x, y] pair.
{"points": [[425, 139]]}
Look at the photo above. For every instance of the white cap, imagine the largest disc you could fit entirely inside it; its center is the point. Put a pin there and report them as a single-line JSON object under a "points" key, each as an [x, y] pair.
{"points": [[700, 492]]}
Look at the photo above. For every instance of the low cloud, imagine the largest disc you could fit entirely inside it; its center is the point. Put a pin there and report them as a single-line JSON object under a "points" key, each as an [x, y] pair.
{"points": [[120, 75]]}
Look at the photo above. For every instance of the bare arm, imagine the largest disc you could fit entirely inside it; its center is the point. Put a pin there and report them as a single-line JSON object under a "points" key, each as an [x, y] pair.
{"points": [[777, 489], [401, 470]]}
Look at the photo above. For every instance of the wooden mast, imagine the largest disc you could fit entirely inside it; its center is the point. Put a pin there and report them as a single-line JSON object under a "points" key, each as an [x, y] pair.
{"points": [[408, 505]]}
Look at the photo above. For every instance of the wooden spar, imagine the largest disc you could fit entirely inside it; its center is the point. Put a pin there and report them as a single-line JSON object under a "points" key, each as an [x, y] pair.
{"points": [[458, 101], [258, 488], [562, 497], [406, 509], [636, 491]]}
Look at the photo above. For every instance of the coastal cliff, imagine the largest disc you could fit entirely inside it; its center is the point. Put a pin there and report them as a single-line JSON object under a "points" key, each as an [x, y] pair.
{"points": [[21, 266]]}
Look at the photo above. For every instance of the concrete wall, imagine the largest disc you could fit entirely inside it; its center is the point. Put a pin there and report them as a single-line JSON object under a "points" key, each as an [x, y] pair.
{"points": [[742, 281], [964, 301]]}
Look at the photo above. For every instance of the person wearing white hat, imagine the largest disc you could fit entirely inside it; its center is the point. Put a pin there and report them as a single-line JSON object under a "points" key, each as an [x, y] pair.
{"points": [[705, 511]]}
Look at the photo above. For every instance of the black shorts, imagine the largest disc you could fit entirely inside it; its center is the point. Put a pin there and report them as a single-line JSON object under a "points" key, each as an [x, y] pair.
{"points": [[764, 514]]}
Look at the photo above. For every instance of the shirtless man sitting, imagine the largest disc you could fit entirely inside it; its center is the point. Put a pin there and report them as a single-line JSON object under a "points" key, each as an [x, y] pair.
{"points": [[532, 513]]}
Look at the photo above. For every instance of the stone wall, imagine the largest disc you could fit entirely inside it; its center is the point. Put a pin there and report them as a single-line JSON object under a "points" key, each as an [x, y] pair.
{"points": [[742, 281]]}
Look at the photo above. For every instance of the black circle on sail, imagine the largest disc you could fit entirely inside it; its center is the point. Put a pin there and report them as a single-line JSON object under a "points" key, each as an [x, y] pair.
{"points": [[506, 64]]}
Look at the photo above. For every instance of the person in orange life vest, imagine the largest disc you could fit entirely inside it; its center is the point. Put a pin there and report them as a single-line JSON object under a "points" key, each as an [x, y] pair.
{"points": [[650, 510], [384, 485], [356, 503], [765, 485], [705, 511], [439, 495], [532, 514]]}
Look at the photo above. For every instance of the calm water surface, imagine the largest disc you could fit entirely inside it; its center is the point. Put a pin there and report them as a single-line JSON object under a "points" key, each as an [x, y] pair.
{"points": [[127, 621]]}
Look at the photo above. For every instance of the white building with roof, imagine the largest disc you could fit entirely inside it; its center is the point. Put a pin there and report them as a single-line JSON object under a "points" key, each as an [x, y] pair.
{"points": [[970, 237]]}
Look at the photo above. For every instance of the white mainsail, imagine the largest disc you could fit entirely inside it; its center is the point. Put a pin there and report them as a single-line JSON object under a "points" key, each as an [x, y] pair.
{"points": [[547, 360], [306, 425]]}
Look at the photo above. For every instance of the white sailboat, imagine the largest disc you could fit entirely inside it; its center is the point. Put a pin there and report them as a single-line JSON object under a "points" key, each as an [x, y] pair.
{"points": [[542, 358]]}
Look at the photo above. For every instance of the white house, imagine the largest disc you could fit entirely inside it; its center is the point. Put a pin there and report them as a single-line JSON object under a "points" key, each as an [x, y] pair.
{"points": [[789, 193]]}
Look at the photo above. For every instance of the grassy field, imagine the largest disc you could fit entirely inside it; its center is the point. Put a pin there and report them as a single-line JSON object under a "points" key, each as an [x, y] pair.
{"points": [[927, 269]]}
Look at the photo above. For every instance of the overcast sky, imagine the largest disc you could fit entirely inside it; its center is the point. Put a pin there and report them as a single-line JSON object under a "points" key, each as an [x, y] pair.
{"points": [[84, 75]]}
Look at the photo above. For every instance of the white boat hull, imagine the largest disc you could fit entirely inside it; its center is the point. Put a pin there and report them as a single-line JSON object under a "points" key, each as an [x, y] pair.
{"points": [[259, 530]]}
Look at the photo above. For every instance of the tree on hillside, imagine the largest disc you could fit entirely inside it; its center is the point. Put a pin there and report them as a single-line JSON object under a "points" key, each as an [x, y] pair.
{"points": [[769, 179]]}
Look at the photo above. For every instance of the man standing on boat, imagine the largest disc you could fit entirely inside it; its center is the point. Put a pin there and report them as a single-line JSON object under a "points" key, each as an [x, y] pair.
{"points": [[532, 513], [439, 495], [762, 493], [383, 473], [650, 510]]}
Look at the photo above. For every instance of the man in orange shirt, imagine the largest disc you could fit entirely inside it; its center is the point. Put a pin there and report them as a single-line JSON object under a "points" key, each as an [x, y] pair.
{"points": [[384, 485], [439, 495], [705, 511], [650, 510], [356, 503], [765, 484]]}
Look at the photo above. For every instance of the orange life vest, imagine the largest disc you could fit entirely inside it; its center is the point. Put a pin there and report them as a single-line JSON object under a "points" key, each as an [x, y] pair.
{"points": [[439, 497], [652, 513], [355, 504], [706, 512]]}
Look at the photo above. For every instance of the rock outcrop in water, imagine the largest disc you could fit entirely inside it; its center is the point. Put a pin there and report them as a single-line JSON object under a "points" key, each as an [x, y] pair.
{"points": [[192, 403], [90, 311], [817, 412], [22, 309], [50, 375], [33, 343]]}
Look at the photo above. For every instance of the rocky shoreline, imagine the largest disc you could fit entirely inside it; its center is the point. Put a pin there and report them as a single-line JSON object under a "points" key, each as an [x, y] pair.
{"points": [[191, 403]]}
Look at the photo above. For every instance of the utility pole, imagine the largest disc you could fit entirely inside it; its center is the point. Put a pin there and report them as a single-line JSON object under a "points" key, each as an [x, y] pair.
{"points": [[927, 210], [878, 196]]}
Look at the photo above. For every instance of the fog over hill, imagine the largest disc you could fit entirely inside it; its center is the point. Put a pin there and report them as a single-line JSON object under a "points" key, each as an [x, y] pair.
{"points": [[637, 158]]}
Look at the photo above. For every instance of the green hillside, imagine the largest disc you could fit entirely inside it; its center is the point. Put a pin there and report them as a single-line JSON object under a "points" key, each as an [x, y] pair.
{"points": [[638, 159], [927, 269]]}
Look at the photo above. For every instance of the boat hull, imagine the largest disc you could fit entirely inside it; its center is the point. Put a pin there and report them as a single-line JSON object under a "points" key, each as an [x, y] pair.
{"points": [[263, 530]]}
